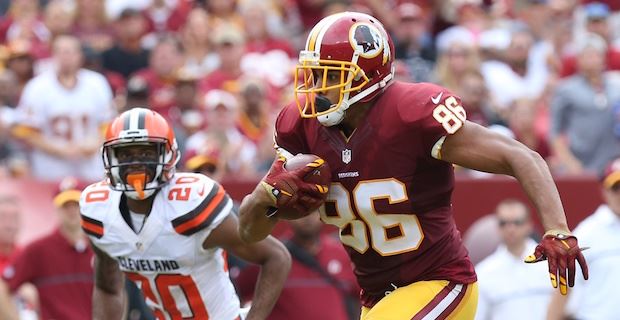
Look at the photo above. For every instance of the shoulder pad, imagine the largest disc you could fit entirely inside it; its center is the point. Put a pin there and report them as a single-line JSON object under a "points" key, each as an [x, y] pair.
{"points": [[289, 132], [198, 202], [94, 202], [433, 107]]}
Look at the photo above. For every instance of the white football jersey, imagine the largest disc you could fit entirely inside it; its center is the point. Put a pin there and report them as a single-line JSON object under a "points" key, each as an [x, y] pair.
{"points": [[178, 277], [72, 117]]}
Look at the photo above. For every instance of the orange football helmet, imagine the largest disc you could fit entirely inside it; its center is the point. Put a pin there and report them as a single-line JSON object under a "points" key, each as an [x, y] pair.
{"points": [[355, 44], [140, 127]]}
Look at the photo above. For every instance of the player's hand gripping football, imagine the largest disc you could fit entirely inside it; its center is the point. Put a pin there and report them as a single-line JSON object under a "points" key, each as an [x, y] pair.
{"points": [[560, 249], [288, 189]]}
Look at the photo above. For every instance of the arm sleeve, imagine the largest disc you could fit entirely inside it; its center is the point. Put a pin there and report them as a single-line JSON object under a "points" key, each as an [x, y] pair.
{"points": [[28, 112], [439, 118]]}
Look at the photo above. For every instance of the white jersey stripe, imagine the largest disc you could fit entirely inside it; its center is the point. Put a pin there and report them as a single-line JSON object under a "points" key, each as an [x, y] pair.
{"points": [[445, 303]]}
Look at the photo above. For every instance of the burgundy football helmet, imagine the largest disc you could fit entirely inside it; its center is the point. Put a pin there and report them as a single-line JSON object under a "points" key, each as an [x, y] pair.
{"points": [[355, 44]]}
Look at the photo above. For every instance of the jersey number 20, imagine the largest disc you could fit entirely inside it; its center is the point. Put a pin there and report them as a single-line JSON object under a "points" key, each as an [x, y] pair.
{"points": [[163, 282]]}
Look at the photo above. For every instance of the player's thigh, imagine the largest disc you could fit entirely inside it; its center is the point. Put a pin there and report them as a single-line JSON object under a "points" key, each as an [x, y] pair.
{"points": [[437, 299]]}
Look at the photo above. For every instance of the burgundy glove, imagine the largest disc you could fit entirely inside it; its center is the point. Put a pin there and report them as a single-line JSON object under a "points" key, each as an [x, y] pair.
{"points": [[560, 249], [289, 190]]}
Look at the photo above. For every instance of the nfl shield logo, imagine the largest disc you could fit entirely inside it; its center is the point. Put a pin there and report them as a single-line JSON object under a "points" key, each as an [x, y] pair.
{"points": [[346, 155]]}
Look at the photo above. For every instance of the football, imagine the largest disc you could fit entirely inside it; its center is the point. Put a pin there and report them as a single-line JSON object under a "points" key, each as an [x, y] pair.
{"points": [[321, 175]]}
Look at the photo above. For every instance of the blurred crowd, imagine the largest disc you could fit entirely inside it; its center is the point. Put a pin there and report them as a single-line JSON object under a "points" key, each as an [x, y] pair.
{"points": [[540, 71], [544, 72]]}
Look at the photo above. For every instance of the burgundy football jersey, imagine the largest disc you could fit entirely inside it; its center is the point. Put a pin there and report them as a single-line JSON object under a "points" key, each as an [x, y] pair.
{"points": [[390, 198]]}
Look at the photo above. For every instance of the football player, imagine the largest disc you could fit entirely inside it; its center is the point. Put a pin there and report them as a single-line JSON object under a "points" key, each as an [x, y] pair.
{"points": [[391, 146], [167, 232]]}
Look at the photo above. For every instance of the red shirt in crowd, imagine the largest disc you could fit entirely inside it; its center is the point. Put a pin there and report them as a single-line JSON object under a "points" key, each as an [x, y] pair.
{"points": [[569, 63], [61, 272], [161, 92], [6, 259], [306, 294]]}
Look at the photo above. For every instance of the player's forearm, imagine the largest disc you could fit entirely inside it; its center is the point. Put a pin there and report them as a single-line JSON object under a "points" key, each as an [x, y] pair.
{"points": [[109, 299], [254, 225], [273, 274], [533, 173], [7, 307], [556, 308], [108, 305], [39, 142]]}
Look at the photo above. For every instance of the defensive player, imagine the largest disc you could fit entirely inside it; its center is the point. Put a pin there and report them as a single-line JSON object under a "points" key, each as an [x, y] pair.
{"points": [[390, 146], [167, 232]]}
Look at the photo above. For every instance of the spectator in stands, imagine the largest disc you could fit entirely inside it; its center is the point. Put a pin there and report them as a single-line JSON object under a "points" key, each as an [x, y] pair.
{"points": [[584, 133], [9, 95], [475, 98], [118, 84], [237, 154], [23, 23], [58, 17], [255, 119], [594, 299], [597, 17], [230, 47], [61, 113], [260, 30], [10, 223], [7, 308], [204, 160], [457, 56], [166, 16], [91, 25], [59, 265], [523, 73], [522, 120], [266, 55], [186, 113], [21, 62], [320, 275], [127, 56], [535, 14], [508, 287], [200, 59], [9, 227], [12, 156], [223, 13], [161, 75], [413, 43]]}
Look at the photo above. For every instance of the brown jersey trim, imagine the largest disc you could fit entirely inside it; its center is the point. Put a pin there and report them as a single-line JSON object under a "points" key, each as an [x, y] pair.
{"points": [[204, 214], [92, 227]]}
